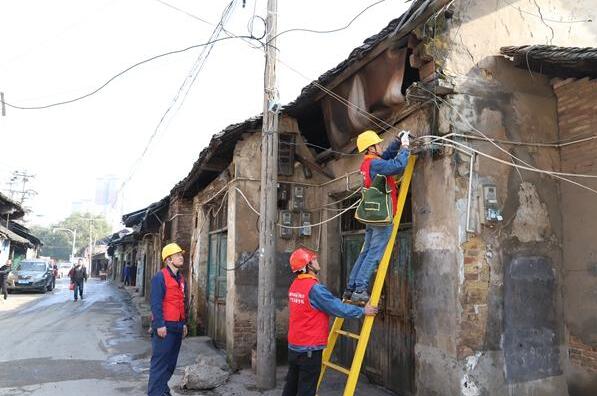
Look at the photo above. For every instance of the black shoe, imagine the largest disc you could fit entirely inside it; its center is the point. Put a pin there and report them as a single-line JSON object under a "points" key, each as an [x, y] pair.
{"points": [[347, 295], [360, 297]]}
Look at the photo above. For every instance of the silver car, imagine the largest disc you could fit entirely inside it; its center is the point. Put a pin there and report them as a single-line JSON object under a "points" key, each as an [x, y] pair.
{"points": [[32, 274]]}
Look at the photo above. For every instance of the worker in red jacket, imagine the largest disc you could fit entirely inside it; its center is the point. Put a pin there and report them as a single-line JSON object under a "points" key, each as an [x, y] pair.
{"points": [[169, 310], [310, 304]]}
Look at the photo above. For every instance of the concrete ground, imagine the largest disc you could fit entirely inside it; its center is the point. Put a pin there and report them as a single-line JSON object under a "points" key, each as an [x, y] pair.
{"points": [[52, 345]]}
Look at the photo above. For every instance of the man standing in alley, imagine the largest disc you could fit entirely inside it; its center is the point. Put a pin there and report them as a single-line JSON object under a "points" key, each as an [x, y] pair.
{"points": [[78, 276], [4, 271], [383, 165], [169, 310], [310, 304]]}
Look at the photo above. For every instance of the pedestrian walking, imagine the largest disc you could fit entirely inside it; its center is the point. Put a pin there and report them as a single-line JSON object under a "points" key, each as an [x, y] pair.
{"points": [[54, 273], [169, 310], [375, 164], [4, 271], [78, 276], [127, 274], [310, 304]]}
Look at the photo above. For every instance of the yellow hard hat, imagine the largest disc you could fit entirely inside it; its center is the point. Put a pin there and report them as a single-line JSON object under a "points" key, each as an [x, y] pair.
{"points": [[367, 139], [170, 249]]}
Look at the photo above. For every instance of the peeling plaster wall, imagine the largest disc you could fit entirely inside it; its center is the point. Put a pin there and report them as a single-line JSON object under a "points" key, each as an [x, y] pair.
{"points": [[243, 240], [506, 103], [480, 27]]}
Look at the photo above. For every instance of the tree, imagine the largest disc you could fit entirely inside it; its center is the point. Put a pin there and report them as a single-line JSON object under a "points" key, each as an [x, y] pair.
{"points": [[80, 222], [56, 245], [59, 244]]}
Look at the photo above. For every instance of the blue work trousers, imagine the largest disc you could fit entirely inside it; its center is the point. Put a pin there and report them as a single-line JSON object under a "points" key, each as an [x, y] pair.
{"points": [[164, 355], [376, 239]]}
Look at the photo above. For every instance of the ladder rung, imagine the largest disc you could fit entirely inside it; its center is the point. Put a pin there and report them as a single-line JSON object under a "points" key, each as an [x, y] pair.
{"points": [[336, 367], [348, 334]]}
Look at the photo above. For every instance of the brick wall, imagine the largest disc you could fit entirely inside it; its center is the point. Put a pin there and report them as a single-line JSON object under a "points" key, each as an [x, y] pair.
{"points": [[577, 118], [473, 299], [582, 355]]}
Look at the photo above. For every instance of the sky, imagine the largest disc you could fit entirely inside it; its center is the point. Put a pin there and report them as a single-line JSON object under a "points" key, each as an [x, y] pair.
{"points": [[58, 50]]}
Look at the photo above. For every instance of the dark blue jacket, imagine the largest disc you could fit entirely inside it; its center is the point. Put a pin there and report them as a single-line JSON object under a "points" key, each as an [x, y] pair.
{"points": [[392, 162]]}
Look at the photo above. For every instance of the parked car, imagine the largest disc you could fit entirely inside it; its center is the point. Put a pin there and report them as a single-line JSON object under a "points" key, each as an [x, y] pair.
{"points": [[33, 275], [64, 269]]}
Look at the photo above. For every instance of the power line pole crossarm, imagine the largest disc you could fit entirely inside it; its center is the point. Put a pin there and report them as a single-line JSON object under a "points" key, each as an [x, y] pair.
{"points": [[266, 307]]}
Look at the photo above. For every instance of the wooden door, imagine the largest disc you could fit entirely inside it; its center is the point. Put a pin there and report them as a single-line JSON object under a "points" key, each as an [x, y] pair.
{"points": [[216, 288], [389, 360]]}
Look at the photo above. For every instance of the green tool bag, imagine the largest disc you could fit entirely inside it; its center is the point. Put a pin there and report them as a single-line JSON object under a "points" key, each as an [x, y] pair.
{"points": [[376, 203]]}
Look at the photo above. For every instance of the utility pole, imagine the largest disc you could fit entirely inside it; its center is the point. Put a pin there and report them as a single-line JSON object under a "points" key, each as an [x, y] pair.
{"points": [[266, 307], [24, 178], [90, 247]]}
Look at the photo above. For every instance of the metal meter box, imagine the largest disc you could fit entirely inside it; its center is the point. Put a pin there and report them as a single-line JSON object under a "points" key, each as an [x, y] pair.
{"points": [[306, 229], [298, 198], [490, 211], [285, 220]]}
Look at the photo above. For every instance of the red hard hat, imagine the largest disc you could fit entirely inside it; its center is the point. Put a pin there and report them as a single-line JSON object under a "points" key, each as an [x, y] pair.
{"points": [[300, 258]]}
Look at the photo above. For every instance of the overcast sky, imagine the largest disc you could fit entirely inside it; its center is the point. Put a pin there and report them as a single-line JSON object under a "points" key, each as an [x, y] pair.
{"points": [[56, 50]]}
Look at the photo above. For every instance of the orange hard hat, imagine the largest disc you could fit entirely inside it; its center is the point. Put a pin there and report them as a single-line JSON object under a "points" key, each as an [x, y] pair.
{"points": [[300, 258]]}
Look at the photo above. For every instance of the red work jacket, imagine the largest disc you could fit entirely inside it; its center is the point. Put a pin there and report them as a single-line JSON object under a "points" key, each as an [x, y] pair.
{"points": [[173, 303], [307, 326]]}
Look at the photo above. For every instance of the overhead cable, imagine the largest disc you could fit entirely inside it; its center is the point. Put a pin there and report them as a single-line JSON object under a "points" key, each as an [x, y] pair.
{"points": [[125, 71], [331, 30]]}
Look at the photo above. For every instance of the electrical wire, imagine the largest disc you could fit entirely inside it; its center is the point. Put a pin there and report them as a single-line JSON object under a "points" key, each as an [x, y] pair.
{"points": [[465, 120], [123, 72], [331, 30], [245, 260], [455, 144], [229, 33], [354, 205], [370, 116]]}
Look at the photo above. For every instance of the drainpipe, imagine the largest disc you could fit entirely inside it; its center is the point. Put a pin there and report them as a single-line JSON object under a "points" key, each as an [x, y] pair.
{"points": [[470, 195]]}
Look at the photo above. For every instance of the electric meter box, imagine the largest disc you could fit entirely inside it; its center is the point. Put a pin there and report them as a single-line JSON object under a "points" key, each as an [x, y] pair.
{"points": [[306, 229], [285, 220], [298, 198]]}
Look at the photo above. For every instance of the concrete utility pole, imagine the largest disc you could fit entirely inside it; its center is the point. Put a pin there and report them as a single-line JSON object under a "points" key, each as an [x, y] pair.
{"points": [[266, 307]]}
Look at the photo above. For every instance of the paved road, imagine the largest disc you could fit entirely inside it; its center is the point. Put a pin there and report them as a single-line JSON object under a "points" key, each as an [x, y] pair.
{"points": [[52, 345]]}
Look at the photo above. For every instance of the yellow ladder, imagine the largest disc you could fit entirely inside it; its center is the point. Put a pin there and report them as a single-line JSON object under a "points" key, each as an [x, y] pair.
{"points": [[363, 337]]}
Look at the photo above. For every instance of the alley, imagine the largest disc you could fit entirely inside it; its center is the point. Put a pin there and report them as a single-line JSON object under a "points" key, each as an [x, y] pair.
{"points": [[54, 346]]}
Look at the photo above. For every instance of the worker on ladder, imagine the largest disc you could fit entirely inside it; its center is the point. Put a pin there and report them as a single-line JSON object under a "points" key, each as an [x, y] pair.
{"points": [[390, 162], [310, 304]]}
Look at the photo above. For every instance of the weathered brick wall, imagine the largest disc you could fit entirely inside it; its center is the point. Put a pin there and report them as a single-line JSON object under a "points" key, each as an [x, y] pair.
{"points": [[577, 119], [583, 355], [473, 299]]}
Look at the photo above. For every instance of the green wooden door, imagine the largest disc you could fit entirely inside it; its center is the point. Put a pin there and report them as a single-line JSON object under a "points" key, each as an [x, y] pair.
{"points": [[216, 288], [389, 360]]}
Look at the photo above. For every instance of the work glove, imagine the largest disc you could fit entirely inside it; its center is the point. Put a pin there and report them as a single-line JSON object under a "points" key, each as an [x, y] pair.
{"points": [[404, 137]]}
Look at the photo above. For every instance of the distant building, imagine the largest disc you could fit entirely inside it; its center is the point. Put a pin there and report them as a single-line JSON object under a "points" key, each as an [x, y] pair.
{"points": [[106, 189]]}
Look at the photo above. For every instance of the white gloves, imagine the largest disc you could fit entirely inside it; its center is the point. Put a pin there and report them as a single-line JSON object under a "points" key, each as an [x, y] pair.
{"points": [[404, 137]]}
